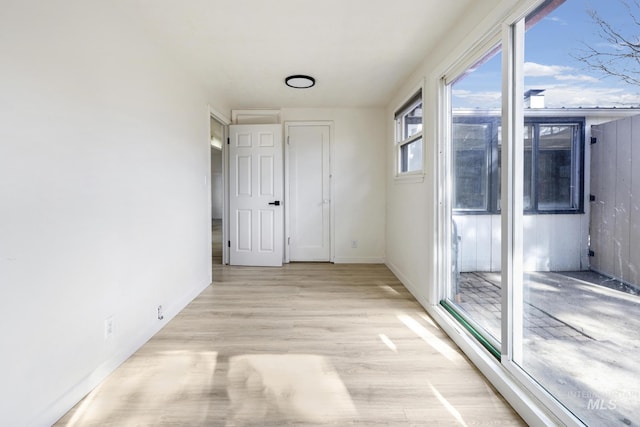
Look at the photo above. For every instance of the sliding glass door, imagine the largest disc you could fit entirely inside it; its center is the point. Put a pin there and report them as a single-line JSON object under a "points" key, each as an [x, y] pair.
{"points": [[579, 340], [542, 210], [473, 209]]}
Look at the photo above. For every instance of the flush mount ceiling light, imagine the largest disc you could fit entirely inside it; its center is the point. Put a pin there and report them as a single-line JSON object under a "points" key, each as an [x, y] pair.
{"points": [[300, 81]]}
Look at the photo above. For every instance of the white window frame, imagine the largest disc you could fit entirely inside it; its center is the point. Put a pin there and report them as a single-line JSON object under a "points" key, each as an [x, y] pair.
{"points": [[513, 34], [529, 398], [402, 141]]}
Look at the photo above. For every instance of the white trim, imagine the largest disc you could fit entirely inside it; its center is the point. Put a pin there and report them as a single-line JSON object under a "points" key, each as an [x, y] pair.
{"points": [[444, 191], [512, 166], [219, 116], [75, 394], [332, 183], [225, 181], [521, 399], [225, 200], [359, 260], [481, 38], [255, 116], [224, 120], [512, 218], [546, 400], [410, 286], [460, 60], [473, 55], [442, 223], [410, 140], [410, 177], [285, 196]]}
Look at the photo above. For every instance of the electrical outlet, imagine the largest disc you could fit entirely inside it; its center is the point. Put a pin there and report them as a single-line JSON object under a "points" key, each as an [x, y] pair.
{"points": [[354, 244], [160, 313], [108, 327]]}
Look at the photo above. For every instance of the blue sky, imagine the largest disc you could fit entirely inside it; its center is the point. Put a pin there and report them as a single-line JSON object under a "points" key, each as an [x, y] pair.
{"points": [[549, 63]]}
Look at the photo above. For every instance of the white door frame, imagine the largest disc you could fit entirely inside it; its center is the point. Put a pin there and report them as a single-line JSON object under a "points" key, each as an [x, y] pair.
{"points": [[287, 213], [225, 180]]}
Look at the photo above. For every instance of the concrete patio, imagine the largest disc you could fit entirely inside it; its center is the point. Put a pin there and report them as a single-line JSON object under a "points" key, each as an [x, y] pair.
{"points": [[581, 338]]}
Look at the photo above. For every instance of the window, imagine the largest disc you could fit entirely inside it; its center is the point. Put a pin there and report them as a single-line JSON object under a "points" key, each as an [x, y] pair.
{"points": [[558, 166], [409, 135], [552, 164], [474, 140]]}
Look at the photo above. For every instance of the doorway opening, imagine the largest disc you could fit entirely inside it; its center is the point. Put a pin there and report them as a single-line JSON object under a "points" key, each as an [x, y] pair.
{"points": [[217, 134]]}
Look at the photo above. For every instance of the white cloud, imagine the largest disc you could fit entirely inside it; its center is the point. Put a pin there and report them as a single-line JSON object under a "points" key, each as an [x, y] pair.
{"points": [[558, 72], [585, 96], [564, 87], [556, 20], [576, 78], [556, 96], [486, 99], [532, 69]]}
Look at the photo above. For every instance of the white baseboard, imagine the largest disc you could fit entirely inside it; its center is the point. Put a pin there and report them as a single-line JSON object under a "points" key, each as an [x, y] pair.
{"points": [[413, 290], [357, 260], [71, 397]]}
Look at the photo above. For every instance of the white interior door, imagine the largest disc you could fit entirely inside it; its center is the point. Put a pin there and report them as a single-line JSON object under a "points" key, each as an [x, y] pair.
{"points": [[309, 195], [255, 195]]}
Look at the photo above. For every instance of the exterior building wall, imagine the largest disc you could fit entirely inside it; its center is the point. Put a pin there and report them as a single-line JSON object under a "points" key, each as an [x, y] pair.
{"points": [[560, 242]]}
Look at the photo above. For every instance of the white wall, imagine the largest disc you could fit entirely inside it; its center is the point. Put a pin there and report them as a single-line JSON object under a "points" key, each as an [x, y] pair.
{"points": [[551, 242], [412, 206], [358, 179], [104, 154]]}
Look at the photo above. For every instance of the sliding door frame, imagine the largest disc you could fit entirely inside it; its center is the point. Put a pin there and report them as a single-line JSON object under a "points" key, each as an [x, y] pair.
{"points": [[528, 397]]}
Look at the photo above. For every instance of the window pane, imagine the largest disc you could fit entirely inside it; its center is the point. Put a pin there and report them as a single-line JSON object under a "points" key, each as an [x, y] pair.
{"points": [[471, 146], [411, 121], [581, 278], [555, 168], [411, 156], [475, 288], [408, 127]]}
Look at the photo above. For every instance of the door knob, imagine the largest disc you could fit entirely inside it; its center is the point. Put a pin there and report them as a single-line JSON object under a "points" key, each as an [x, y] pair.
{"points": [[276, 203]]}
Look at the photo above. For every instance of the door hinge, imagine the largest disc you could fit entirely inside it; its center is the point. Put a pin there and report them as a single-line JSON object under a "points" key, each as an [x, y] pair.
{"points": [[593, 140], [592, 198], [288, 240], [228, 141], [228, 243], [591, 253], [288, 140]]}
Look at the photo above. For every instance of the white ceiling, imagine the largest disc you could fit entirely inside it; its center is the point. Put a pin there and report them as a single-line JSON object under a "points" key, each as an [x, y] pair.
{"points": [[359, 51]]}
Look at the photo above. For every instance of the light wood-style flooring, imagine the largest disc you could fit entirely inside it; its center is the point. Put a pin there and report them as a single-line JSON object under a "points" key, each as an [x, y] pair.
{"points": [[302, 345]]}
